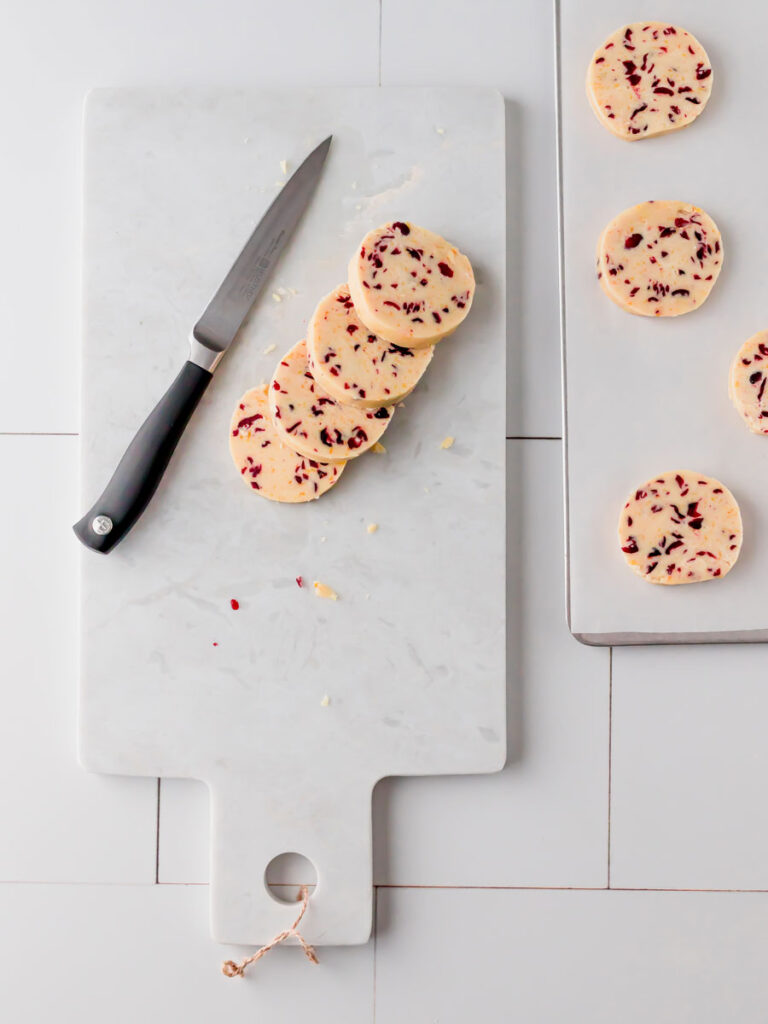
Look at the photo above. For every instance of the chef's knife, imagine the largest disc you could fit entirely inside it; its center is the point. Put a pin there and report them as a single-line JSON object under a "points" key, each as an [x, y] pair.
{"points": [[141, 468]]}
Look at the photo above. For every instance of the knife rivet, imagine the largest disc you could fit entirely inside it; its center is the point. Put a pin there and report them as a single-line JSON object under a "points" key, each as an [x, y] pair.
{"points": [[101, 525]]}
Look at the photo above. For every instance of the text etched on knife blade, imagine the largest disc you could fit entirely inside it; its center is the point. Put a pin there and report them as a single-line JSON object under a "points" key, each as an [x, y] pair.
{"points": [[250, 284]]}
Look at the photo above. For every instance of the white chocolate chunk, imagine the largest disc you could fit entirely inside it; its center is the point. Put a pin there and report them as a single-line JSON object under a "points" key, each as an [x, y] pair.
{"points": [[447, 442], [660, 258], [355, 366], [747, 382], [648, 78], [680, 527], [313, 423], [372, 527], [266, 465], [409, 285], [323, 590]]}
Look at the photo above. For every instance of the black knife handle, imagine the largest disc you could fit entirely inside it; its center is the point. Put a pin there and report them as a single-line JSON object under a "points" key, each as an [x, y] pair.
{"points": [[141, 468]]}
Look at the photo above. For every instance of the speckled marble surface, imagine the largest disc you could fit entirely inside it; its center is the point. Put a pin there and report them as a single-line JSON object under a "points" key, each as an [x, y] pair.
{"points": [[176, 683]]}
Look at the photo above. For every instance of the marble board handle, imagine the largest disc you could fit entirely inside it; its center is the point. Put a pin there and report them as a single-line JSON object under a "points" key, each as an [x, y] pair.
{"points": [[142, 466], [252, 823]]}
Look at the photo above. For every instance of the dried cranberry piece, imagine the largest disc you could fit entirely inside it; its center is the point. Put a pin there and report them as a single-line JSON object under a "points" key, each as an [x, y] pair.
{"points": [[633, 241], [357, 439], [401, 227]]}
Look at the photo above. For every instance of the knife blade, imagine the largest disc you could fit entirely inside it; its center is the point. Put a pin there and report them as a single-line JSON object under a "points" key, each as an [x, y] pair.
{"points": [[145, 460]]}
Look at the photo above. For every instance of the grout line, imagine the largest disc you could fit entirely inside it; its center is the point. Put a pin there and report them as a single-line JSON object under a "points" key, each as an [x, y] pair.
{"points": [[533, 437], [610, 752], [446, 888], [375, 943], [38, 433], [595, 889], [563, 888], [381, 14], [157, 837]]}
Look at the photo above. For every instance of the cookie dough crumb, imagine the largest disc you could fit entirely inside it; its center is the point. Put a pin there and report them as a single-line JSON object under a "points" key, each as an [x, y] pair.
{"points": [[269, 348], [379, 448], [323, 590], [277, 297], [447, 442], [440, 131], [323, 540], [325, 701], [372, 527], [279, 184], [284, 166]]}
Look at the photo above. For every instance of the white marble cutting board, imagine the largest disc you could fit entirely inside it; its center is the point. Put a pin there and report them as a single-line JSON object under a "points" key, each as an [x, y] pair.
{"points": [[646, 396], [412, 656]]}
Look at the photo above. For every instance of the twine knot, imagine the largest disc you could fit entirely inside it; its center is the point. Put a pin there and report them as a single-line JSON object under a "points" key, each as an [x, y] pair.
{"points": [[230, 969]]}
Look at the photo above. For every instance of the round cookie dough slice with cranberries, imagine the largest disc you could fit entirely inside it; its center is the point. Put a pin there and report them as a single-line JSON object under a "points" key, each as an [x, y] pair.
{"points": [[266, 465], [355, 366], [647, 79], [680, 527], [309, 420], [747, 382], [409, 285], [660, 258]]}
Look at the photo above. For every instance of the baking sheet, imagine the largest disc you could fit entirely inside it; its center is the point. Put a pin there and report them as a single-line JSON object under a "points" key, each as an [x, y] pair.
{"points": [[645, 396]]}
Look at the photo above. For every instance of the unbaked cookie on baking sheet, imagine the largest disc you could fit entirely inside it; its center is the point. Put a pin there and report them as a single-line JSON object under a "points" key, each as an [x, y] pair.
{"points": [[659, 258], [648, 78], [680, 527], [747, 382]]}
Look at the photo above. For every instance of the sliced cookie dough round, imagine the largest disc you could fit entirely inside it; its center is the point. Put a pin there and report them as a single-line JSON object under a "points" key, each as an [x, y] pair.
{"points": [[312, 422], [409, 285], [747, 382], [660, 258], [680, 527], [648, 78], [355, 366], [266, 465]]}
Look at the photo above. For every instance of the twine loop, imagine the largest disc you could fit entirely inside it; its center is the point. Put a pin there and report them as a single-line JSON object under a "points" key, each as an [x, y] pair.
{"points": [[230, 969]]}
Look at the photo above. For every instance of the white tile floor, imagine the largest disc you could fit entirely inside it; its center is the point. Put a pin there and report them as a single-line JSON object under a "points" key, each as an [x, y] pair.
{"points": [[644, 771]]}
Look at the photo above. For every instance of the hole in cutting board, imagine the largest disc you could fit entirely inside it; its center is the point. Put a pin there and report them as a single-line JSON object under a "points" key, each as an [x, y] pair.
{"points": [[286, 873]]}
